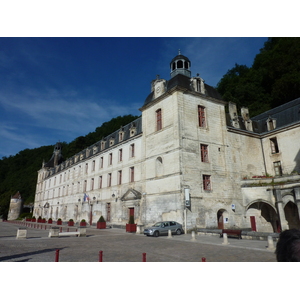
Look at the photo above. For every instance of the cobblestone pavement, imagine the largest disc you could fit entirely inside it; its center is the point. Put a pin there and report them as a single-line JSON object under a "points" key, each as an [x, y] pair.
{"points": [[119, 246]]}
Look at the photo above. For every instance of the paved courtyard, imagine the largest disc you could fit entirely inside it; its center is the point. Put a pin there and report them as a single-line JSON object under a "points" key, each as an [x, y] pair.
{"points": [[119, 246]]}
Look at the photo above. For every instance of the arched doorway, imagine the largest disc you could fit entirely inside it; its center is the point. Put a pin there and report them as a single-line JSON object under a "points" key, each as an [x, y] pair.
{"points": [[292, 215], [222, 217], [263, 217]]}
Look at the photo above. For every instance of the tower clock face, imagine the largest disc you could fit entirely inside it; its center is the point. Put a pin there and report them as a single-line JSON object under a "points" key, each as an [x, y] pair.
{"points": [[158, 89]]}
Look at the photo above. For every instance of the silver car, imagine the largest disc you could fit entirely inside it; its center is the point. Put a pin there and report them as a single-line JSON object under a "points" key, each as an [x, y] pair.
{"points": [[162, 228]]}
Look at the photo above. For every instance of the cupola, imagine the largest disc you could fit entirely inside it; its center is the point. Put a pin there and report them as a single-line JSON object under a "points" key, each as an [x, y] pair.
{"points": [[180, 64]]}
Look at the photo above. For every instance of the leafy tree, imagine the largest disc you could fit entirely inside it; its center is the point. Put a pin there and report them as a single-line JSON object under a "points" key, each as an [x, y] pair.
{"points": [[272, 80]]}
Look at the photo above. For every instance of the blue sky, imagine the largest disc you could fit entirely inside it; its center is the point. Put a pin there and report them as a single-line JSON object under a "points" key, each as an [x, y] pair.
{"points": [[55, 89]]}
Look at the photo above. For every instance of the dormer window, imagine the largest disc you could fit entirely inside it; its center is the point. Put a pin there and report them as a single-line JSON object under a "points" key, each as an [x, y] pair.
{"points": [[95, 149], [103, 144], [121, 135], [132, 129], [271, 123], [111, 141]]}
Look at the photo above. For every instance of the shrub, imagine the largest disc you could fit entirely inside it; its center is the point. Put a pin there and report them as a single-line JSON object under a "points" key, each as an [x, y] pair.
{"points": [[131, 220], [101, 219], [71, 220], [83, 220]]}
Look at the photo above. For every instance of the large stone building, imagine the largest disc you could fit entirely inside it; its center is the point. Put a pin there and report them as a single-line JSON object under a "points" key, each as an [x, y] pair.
{"points": [[185, 159]]}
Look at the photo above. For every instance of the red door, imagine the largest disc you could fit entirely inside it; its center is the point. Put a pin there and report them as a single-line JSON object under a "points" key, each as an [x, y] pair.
{"points": [[253, 223]]}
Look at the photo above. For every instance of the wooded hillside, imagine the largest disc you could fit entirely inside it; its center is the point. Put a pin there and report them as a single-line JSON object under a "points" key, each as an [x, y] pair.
{"points": [[19, 172]]}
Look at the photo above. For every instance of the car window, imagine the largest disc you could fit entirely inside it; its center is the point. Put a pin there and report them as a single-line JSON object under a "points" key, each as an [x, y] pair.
{"points": [[157, 224], [166, 224], [172, 223]]}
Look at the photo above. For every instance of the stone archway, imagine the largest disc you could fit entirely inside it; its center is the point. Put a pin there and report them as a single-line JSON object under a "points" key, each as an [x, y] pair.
{"points": [[265, 215], [222, 218], [292, 215]]}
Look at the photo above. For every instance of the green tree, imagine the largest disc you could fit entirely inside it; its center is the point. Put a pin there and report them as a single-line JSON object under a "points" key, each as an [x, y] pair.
{"points": [[19, 172], [272, 80]]}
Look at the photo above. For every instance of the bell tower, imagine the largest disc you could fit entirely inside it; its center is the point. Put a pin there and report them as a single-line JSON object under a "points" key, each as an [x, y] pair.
{"points": [[180, 64]]}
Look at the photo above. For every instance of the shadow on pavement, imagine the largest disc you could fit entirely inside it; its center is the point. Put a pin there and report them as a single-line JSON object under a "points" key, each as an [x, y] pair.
{"points": [[29, 253]]}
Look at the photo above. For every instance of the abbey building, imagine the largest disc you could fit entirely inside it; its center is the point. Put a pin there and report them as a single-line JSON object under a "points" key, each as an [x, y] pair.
{"points": [[185, 159]]}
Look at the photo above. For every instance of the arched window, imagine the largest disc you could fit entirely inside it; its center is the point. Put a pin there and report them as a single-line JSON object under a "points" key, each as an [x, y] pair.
{"points": [[173, 66], [179, 64], [159, 166]]}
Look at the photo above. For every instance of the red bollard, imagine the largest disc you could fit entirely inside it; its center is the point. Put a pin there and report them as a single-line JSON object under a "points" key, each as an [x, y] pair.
{"points": [[203, 259], [100, 256], [57, 255], [144, 257]]}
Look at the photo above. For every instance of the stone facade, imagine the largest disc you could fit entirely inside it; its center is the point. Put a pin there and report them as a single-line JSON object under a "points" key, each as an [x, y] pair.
{"points": [[237, 172]]}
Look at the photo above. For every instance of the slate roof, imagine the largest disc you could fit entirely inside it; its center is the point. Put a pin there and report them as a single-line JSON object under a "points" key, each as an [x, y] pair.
{"points": [[180, 56], [185, 82], [96, 148], [50, 163], [285, 114]]}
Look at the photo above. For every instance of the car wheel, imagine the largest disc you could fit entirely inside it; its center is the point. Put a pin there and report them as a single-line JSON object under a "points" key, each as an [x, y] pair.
{"points": [[156, 234], [178, 231]]}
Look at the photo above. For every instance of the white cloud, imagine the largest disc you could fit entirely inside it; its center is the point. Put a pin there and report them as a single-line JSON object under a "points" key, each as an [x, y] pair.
{"points": [[43, 118]]}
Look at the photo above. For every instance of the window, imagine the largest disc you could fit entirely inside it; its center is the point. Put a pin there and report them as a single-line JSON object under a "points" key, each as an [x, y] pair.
{"points": [[204, 152], [158, 120], [159, 166], [102, 145], [86, 168], [274, 145], [201, 116], [120, 154], [132, 174], [110, 159], [121, 136], [100, 182], [92, 184], [277, 168], [109, 179], [132, 150], [84, 186], [206, 183], [119, 177], [101, 162], [93, 166]]}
